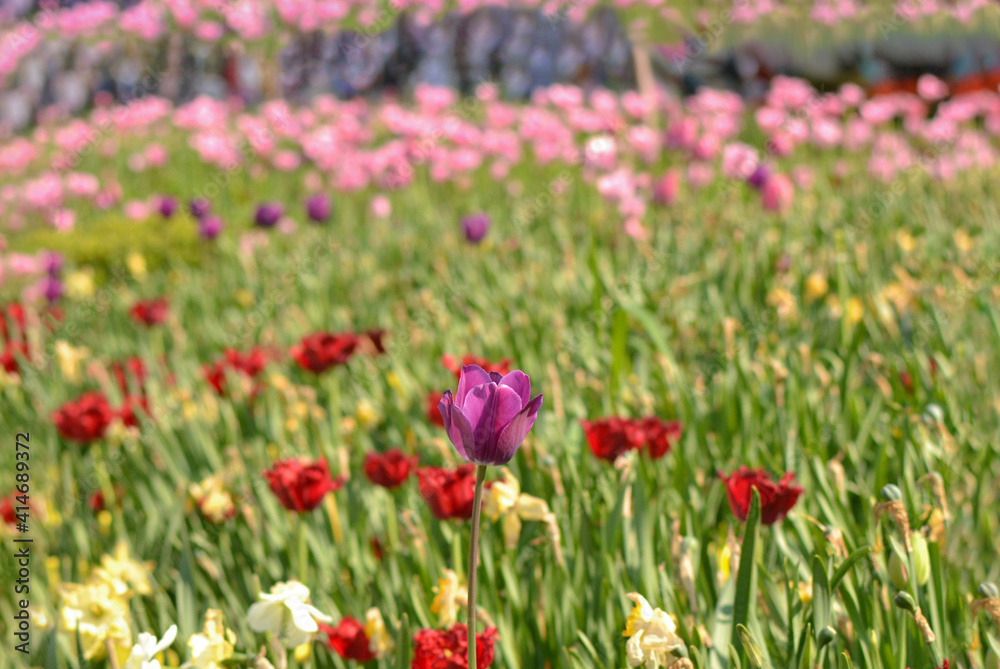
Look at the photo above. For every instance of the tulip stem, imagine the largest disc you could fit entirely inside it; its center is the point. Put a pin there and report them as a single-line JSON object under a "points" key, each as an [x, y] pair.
{"points": [[473, 562], [302, 549]]}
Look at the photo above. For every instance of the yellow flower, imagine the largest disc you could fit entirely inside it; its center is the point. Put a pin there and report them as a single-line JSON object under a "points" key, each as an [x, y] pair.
{"points": [[136, 264], [97, 613], [122, 572], [244, 298], [69, 359], [380, 642], [783, 303], [214, 501], [816, 287], [450, 595], [365, 414], [79, 285], [214, 645], [855, 311], [722, 558], [652, 635], [504, 498], [805, 591], [303, 652]]}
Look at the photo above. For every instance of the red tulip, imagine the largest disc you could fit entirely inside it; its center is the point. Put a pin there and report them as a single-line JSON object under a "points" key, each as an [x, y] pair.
{"points": [[455, 368], [10, 354], [13, 313], [323, 350], [449, 492], [130, 408], [376, 337], [84, 420], [250, 363], [776, 499], [431, 408], [389, 469], [300, 485], [611, 437], [130, 374], [7, 511], [349, 640], [150, 312], [449, 649]]}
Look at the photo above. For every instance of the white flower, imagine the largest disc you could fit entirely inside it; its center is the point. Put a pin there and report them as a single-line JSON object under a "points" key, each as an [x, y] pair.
{"points": [[144, 653], [652, 635], [285, 612]]}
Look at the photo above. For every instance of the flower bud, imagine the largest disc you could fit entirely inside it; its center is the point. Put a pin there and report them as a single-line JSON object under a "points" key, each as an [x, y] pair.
{"points": [[988, 590], [826, 635], [904, 601], [891, 493], [921, 563]]}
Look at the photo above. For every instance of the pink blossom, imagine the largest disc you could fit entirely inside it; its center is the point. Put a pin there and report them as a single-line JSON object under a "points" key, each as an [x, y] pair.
{"points": [[63, 220], [700, 174], [739, 160], [777, 193], [381, 206]]}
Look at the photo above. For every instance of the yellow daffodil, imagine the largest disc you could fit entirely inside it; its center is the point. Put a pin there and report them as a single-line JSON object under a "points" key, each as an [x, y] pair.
{"points": [[652, 637], [123, 573], [380, 642], [450, 595], [69, 360], [98, 614], [145, 651], [504, 499], [214, 501], [136, 263], [214, 645], [284, 612], [855, 310], [365, 414]]}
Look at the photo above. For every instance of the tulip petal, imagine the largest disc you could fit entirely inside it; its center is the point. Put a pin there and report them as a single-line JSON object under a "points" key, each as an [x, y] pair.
{"points": [[472, 376], [516, 430], [475, 405], [456, 424], [521, 384], [496, 377]]}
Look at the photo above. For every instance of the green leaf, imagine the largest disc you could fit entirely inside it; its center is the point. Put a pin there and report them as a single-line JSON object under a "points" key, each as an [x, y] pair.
{"points": [[820, 595], [746, 579], [846, 565], [403, 643]]}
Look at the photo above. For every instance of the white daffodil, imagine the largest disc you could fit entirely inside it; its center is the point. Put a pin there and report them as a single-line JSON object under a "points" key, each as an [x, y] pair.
{"points": [[285, 612], [652, 635], [144, 653]]}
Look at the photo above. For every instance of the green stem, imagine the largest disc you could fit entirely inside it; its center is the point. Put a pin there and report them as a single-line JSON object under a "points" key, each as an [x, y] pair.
{"points": [[473, 561], [303, 550]]}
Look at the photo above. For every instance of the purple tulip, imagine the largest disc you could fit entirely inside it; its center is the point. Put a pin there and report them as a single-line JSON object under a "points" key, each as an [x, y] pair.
{"points": [[475, 227], [167, 206], [318, 208], [210, 227], [490, 414], [200, 207], [268, 214], [759, 177], [53, 263], [53, 289]]}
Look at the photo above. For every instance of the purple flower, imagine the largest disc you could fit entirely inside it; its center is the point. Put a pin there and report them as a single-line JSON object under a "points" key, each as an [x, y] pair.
{"points": [[318, 208], [53, 263], [759, 177], [268, 214], [489, 415], [53, 289], [167, 206], [200, 207], [475, 227], [210, 227]]}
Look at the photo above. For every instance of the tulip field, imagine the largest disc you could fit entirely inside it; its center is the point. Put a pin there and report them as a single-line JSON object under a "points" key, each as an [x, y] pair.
{"points": [[715, 380]]}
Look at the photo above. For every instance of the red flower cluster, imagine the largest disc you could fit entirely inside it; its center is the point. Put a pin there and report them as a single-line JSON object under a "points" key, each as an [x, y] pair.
{"points": [[13, 345], [150, 312], [449, 649], [431, 408], [449, 492], [7, 511], [349, 640], [389, 469], [455, 367], [319, 352], [300, 485], [776, 499], [250, 364], [130, 375], [85, 419], [611, 437]]}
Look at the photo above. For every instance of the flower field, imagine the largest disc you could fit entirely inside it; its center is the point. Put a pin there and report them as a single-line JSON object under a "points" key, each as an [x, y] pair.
{"points": [[732, 364]]}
